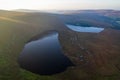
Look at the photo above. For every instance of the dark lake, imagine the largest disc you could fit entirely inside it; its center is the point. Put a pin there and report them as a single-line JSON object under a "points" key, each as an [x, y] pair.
{"points": [[44, 56]]}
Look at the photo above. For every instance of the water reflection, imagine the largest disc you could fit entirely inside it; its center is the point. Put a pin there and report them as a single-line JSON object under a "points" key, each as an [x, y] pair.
{"points": [[85, 29], [44, 56]]}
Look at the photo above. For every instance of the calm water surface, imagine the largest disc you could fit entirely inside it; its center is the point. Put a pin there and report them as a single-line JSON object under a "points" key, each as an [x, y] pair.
{"points": [[44, 56], [84, 29]]}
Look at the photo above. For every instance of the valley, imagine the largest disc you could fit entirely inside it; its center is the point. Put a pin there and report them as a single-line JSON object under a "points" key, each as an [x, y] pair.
{"points": [[96, 56]]}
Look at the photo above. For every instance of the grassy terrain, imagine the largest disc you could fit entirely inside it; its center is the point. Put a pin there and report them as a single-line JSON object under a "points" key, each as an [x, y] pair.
{"points": [[14, 34], [101, 51], [101, 54]]}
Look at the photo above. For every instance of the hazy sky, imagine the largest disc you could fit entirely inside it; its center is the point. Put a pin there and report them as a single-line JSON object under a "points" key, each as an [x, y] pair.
{"points": [[59, 4]]}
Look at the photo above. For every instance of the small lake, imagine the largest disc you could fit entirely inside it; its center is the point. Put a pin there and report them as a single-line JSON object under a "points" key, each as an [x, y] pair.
{"points": [[44, 56], [84, 29]]}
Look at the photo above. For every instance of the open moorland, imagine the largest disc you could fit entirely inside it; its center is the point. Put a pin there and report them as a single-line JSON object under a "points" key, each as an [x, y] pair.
{"points": [[100, 52]]}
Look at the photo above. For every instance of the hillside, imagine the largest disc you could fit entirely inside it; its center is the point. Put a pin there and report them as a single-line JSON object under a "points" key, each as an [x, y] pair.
{"points": [[96, 55], [16, 28], [89, 19]]}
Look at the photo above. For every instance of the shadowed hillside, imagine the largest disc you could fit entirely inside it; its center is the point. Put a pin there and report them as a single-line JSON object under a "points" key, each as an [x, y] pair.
{"points": [[99, 18]]}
